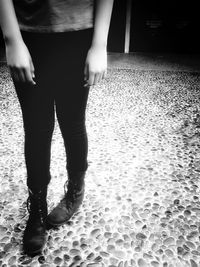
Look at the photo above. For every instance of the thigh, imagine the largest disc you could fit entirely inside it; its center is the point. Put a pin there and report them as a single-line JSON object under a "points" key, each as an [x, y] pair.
{"points": [[37, 107], [71, 108], [70, 95], [37, 101]]}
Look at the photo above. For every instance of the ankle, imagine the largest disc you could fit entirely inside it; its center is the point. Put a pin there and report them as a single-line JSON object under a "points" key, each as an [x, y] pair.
{"points": [[37, 204], [76, 176]]}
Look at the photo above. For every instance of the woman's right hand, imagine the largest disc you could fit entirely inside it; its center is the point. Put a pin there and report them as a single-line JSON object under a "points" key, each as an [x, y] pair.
{"points": [[20, 62]]}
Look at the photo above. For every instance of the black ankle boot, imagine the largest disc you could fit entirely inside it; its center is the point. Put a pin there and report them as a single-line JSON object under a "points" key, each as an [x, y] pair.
{"points": [[35, 233], [73, 197]]}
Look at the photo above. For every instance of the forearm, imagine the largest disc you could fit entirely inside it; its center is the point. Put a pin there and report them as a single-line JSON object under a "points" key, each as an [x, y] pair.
{"points": [[8, 21], [103, 11]]}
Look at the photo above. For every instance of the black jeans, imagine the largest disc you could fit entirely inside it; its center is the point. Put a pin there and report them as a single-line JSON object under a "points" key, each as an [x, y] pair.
{"points": [[59, 60]]}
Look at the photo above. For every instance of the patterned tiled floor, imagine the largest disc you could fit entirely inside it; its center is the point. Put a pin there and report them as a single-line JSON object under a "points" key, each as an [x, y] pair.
{"points": [[142, 205]]}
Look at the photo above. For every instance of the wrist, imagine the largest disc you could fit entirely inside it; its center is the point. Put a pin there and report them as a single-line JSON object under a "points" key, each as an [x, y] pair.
{"points": [[12, 39], [99, 45]]}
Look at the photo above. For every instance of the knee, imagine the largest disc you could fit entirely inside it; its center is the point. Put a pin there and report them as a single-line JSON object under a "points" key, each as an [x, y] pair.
{"points": [[75, 129], [38, 135], [38, 129]]}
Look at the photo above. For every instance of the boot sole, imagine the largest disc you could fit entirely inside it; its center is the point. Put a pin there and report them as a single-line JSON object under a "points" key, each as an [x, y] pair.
{"points": [[50, 224], [33, 253]]}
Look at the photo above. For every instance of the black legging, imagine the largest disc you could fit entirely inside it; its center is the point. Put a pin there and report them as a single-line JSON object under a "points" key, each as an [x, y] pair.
{"points": [[59, 65]]}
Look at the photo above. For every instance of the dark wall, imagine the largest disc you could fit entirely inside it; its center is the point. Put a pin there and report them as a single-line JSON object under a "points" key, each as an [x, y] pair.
{"points": [[166, 26], [117, 27], [156, 26]]}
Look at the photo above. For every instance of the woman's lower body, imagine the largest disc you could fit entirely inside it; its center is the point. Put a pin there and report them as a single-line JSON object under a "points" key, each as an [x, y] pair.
{"points": [[59, 60]]}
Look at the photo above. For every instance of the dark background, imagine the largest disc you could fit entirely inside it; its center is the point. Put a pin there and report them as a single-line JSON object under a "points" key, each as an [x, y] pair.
{"points": [[170, 26], [166, 26]]}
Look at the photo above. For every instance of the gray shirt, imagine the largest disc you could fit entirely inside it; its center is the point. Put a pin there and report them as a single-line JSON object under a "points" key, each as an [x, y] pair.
{"points": [[54, 15]]}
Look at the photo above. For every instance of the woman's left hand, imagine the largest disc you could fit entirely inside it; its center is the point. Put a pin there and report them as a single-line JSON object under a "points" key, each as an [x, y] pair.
{"points": [[95, 65]]}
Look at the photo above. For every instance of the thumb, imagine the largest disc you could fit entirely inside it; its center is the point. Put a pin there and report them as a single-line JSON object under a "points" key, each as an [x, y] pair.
{"points": [[86, 74]]}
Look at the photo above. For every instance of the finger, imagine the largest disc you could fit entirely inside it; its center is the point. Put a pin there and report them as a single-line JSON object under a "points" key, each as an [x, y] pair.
{"points": [[86, 75], [21, 75], [100, 77], [28, 76], [91, 78], [11, 72], [97, 78], [86, 72], [14, 74], [32, 69], [104, 74]]}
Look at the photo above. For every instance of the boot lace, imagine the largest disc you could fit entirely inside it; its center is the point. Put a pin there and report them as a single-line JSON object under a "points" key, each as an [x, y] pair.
{"points": [[71, 195], [34, 203]]}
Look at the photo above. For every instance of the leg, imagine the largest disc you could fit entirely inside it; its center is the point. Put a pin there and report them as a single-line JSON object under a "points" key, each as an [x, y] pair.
{"points": [[38, 127], [71, 117], [38, 119], [37, 105], [71, 101]]}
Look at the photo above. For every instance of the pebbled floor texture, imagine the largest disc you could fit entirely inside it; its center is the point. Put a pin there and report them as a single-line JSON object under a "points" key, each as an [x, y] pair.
{"points": [[142, 202]]}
